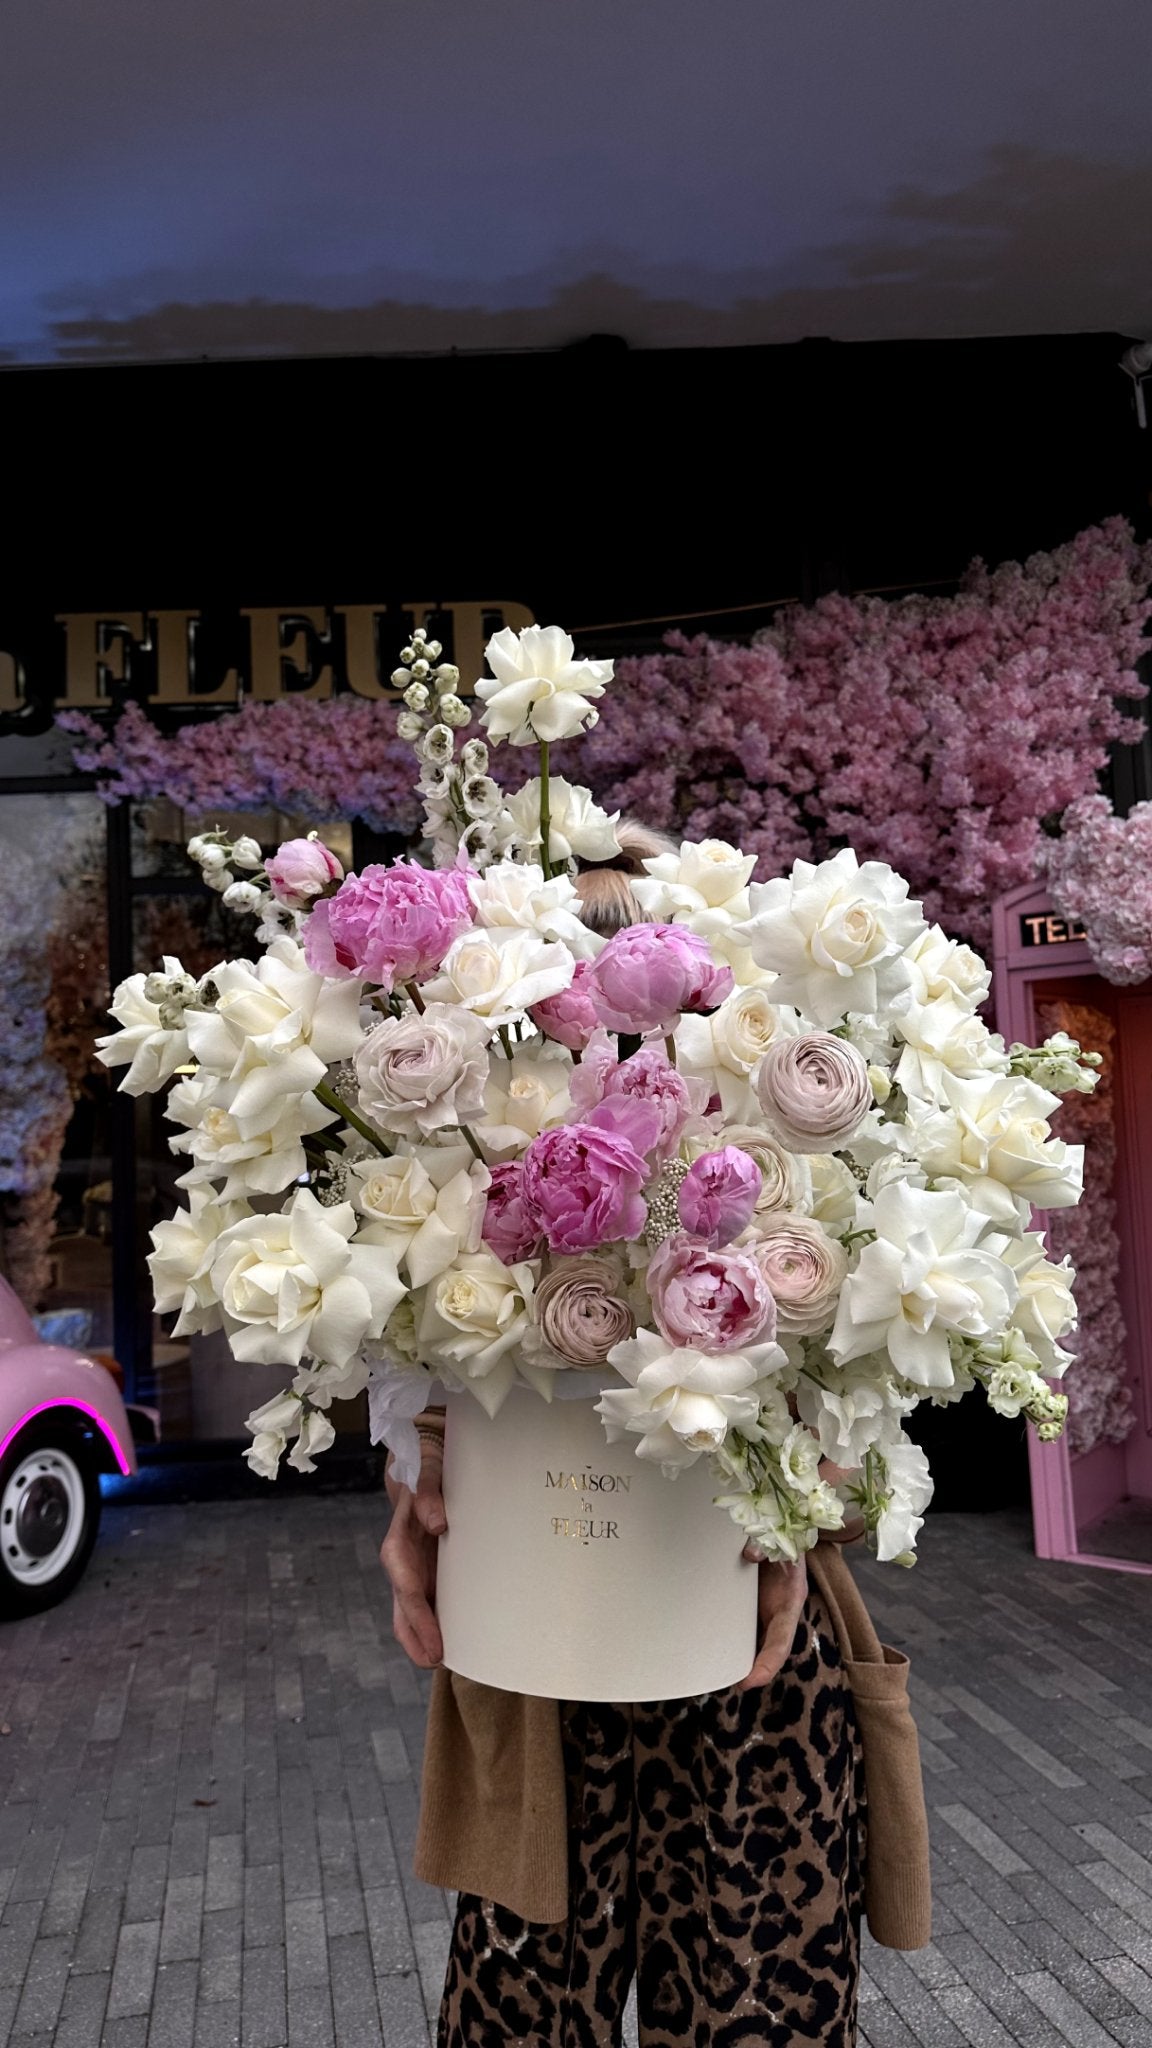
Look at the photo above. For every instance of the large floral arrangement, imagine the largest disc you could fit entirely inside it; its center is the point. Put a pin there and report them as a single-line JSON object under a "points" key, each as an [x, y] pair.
{"points": [[1100, 871], [754, 1169]]}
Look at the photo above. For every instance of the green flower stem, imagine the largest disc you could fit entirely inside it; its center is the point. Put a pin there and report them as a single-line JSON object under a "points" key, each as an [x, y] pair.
{"points": [[470, 1139], [505, 1040], [331, 1100], [417, 998], [670, 1049], [545, 812]]}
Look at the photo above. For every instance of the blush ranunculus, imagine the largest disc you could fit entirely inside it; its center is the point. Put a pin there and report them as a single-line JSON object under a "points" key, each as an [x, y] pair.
{"points": [[510, 1228], [389, 924], [719, 1193], [568, 1017], [814, 1091], [648, 975], [649, 1077], [417, 1075], [708, 1300], [584, 1185], [581, 1312], [805, 1269], [301, 870]]}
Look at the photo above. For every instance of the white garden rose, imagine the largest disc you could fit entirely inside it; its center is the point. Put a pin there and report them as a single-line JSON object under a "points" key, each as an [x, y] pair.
{"points": [[472, 1323], [924, 1278], [578, 829], [724, 1047], [258, 1154], [275, 1029], [942, 1037], [991, 1133], [426, 1073], [180, 1262], [514, 895], [834, 1192], [294, 1284], [425, 1206], [497, 975], [835, 934], [524, 1096], [1046, 1309], [538, 690], [681, 1403], [944, 971], [152, 1041]]}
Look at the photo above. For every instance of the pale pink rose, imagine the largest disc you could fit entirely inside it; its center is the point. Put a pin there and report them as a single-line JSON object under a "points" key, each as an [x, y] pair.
{"points": [[419, 1074], [805, 1269], [719, 1194], [510, 1229], [569, 1017], [602, 1081], [581, 1313], [648, 974], [301, 870], [707, 1300], [389, 924], [584, 1184], [814, 1091]]}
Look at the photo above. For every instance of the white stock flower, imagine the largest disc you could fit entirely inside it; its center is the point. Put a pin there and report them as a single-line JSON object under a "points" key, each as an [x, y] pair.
{"points": [[1046, 1310], [316, 1434], [260, 1153], [275, 1029], [924, 1277], [537, 689], [244, 896], [524, 1096], [513, 895], [835, 933], [247, 853], [180, 1262], [991, 1133], [473, 1320], [724, 1047], [425, 1206], [681, 1403], [152, 1040], [578, 829], [293, 1284], [497, 975], [944, 971], [854, 1412], [907, 1485]]}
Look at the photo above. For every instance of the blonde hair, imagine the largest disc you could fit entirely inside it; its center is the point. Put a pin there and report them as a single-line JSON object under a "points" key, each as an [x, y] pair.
{"points": [[607, 900]]}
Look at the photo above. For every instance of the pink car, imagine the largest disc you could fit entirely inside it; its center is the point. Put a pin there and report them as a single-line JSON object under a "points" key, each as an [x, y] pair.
{"points": [[62, 1423]]}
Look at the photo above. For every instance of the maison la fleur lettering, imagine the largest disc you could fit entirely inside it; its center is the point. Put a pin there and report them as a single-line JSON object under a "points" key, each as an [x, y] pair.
{"points": [[587, 1526], [310, 651]]}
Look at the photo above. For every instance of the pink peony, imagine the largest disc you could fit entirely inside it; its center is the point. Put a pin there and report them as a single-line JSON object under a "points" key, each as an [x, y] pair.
{"points": [[709, 1300], [601, 1081], [301, 870], [389, 924], [718, 1196], [648, 974], [569, 1017], [584, 1185], [510, 1229]]}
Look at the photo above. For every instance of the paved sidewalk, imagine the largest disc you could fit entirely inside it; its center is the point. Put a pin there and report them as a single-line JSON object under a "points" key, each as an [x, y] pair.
{"points": [[208, 1758]]}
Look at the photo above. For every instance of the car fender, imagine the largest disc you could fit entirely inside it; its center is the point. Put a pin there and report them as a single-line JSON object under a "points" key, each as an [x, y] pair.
{"points": [[36, 1378]]}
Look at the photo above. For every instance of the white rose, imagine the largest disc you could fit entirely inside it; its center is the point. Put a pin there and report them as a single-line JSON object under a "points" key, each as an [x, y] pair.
{"points": [[275, 1029], [180, 1262], [992, 1134], [514, 895], [473, 1320], [923, 1278], [835, 934], [942, 1037], [426, 1206], [943, 971], [706, 874], [524, 1096], [537, 689], [834, 1191], [293, 1284], [578, 829], [681, 1403], [724, 1047], [498, 975], [260, 1153], [1046, 1310], [421, 1074]]}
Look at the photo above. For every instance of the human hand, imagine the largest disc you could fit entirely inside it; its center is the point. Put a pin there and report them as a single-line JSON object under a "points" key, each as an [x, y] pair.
{"points": [[408, 1555], [783, 1591]]}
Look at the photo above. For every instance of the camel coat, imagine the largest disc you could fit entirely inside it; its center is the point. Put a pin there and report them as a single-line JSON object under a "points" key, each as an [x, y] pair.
{"points": [[493, 1817]]}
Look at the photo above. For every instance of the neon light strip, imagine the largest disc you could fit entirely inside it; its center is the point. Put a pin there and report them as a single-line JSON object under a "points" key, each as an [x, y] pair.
{"points": [[105, 1429]]}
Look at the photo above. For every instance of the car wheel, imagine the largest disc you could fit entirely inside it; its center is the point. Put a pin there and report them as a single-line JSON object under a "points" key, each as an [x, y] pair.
{"points": [[49, 1515]]}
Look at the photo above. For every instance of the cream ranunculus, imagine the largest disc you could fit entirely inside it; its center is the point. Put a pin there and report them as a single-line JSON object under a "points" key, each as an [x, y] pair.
{"points": [[426, 1073], [514, 895], [425, 1206], [992, 1134], [473, 1321], [524, 1096], [805, 1269], [498, 975], [578, 828], [257, 1154], [180, 1262], [924, 1278], [293, 1284], [725, 1047], [152, 1041], [813, 1090], [786, 1177], [537, 689], [275, 1029], [835, 934], [681, 1403]]}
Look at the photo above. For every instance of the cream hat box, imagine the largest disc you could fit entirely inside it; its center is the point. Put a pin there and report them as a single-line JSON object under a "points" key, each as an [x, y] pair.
{"points": [[573, 1571]]}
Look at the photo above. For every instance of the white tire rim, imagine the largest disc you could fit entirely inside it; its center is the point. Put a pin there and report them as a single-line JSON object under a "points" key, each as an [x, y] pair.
{"points": [[42, 1513]]}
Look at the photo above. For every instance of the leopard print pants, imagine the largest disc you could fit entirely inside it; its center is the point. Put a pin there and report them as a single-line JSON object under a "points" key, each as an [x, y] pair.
{"points": [[716, 1853]]}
